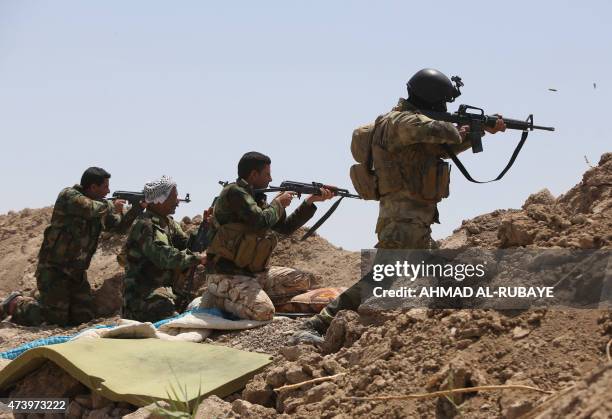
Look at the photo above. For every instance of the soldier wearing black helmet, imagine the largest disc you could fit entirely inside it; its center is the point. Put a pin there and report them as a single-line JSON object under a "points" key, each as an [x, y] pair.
{"points": [[404, 169]]}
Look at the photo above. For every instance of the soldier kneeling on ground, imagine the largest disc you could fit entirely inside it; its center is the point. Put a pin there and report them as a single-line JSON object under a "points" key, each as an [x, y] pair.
{"points": [[156, 256], [79, 216], [242, 239]]}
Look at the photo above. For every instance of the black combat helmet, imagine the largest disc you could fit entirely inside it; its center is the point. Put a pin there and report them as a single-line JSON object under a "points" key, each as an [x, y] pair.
{"points": [[432, 89]]}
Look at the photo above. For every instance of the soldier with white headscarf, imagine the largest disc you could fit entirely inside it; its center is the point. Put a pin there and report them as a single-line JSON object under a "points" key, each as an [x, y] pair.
{"points": [[156, 256]]}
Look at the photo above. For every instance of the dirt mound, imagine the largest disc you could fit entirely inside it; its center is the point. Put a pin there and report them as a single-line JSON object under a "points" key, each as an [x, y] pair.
{"points": [[411, 350], [590, 397], [422, 350], [579, 219]]}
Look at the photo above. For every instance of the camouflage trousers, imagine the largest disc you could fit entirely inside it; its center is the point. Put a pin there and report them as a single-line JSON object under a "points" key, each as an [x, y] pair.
{"points": [[254, 298], [64, 299], [148, 305], [405, 224], [402, 224]]}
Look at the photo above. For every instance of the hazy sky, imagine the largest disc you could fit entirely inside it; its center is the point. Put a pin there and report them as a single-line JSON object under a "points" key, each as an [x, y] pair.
{"points": [[145, 88]]}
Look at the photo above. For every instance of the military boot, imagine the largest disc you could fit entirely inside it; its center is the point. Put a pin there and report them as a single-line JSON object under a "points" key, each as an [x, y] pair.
{"points": [[8, 305], [310, 332]]}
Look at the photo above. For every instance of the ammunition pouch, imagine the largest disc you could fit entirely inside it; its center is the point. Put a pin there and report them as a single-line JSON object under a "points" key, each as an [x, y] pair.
{"points": [[364, 181], [436, 180], [361, 143], [246, 248], [422, 179]]}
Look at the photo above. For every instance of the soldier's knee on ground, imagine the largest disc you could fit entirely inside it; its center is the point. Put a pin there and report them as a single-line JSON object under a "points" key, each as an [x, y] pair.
{"points": [[80, 313], [282, 283], [253, 310], [82, 309], [156, 305], [154, 309], [56, 315], [159, 308], [242, 296]]}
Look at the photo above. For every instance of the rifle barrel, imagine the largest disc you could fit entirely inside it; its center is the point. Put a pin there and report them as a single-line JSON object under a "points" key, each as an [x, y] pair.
{"points": [[544, 128]]}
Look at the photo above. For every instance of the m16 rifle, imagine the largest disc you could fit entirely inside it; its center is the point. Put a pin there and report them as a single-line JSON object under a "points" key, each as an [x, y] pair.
{"points": [[477, 121]]}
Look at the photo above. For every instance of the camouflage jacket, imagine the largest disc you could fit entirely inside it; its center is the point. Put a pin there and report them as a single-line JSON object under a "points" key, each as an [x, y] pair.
{"points": [[77, 221], [407, 154], [237, 203], [156, 252], [406, 127]]}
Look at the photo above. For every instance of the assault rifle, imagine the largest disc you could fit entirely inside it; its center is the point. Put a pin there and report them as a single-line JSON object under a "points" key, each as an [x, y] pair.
{"points": [[137, 197], [199, 242], [313, 188], [477, 121]]}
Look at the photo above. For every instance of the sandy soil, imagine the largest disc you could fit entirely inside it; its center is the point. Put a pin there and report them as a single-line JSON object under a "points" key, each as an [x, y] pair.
{"points": [[406, 351]]}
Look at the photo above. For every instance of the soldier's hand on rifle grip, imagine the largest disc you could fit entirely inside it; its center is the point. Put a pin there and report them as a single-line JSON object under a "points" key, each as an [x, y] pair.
{"points": [[285, 198], [500, 125], [324, 196], [119, 203], [463, 131]]}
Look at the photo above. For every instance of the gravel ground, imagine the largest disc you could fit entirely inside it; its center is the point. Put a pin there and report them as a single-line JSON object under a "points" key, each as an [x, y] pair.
{"points": [[266, 339]]}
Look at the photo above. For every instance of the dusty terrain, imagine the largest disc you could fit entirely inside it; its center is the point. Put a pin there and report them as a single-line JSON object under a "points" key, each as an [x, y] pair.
{"points": [[400, 352]]}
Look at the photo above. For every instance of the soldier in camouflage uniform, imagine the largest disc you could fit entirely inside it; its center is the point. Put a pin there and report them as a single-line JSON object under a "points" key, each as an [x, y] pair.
{"points": [[79, 216], [156, 257], [411, 175], [241, 242]]}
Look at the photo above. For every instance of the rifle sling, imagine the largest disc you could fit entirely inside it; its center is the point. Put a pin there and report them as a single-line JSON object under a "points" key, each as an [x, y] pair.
{"points": [[467, 175], [321, 220]]}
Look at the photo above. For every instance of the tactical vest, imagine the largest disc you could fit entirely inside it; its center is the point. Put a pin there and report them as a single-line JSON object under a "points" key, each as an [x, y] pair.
{"points": [[246, 247], [416, 170]]}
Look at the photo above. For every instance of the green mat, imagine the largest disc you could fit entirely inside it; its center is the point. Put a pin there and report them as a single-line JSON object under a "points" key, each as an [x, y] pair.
{"points": [[139, 371]]}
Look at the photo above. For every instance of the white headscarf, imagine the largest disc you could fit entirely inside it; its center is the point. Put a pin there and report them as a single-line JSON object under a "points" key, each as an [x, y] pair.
{"points": [[158, 191]]}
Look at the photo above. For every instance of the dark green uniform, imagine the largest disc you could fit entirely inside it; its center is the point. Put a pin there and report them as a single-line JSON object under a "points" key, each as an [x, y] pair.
{"points": [[237, 203], [156, 259], [69, 244], [243, 292]]}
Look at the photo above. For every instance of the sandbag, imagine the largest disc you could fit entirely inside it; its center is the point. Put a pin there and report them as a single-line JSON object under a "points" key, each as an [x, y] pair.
{"points": [[310, 302]]}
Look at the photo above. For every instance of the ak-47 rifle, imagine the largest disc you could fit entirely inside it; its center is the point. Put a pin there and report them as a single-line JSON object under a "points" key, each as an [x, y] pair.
{"points": [[199, 242], [313, 188], [137, 197]]}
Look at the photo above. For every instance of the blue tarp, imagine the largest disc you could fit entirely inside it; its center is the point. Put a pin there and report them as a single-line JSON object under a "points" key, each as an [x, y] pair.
{"points": [[53, 340]]}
